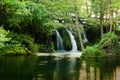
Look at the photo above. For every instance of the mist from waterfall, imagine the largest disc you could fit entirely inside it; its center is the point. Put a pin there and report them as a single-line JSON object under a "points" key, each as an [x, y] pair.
{"points": [[59, 41], [73, 42]]}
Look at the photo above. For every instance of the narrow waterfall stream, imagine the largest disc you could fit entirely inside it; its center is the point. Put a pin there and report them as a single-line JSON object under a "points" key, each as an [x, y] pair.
{"points": [[84, 35], [73, 42], [59, 41]]}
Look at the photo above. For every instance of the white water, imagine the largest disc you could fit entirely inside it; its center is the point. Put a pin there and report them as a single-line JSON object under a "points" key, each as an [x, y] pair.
{"points": [[84, 35], [59, 41], [60, 55], [73, 42], [119, 26]]}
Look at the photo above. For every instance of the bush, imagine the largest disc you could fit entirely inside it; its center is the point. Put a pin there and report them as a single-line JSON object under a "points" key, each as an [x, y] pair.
{"points": [[46, 48], [16, 44], [3, 36], [108, 38], [24, 40], [93, 51], [107, 46], [110, 44], [16, 49]]}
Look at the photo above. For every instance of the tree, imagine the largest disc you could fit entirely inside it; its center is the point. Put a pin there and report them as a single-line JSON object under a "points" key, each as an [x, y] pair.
{"points": [[77, 26], [114, 6], [101, 18], [110, 15], [99, 8]]}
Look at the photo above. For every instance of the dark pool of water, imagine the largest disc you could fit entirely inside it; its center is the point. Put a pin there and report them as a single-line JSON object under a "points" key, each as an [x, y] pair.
{"points": [[58, 68]]}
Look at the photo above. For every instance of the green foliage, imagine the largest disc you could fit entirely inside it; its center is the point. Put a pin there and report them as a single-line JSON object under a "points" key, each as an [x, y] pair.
{"points": [[14, 49], [26, 17], [36, 10], [16, 44], [24, 40], [107, 46], [46, 48], [37, 18], [3, 37], [9, 48], [12, 12], [108, 38], [93, 51], [110, 44]]}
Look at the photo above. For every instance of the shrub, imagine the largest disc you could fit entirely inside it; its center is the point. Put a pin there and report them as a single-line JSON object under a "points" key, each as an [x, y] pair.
{"points": [[14, 49], [107, 46], [110, 44], [93, 51], [24, 40], [108, 38], [3, 36], [16, 44], [46, 48]]}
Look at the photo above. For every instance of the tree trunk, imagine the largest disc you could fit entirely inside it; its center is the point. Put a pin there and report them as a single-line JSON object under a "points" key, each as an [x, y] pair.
{"points": [[87, 7], [3, 16], [101, 19], [110, 13], [77, 26]]}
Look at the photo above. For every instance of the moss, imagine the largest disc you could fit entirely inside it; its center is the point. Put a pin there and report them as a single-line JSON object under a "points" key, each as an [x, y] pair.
{"points": [[65, 38]]}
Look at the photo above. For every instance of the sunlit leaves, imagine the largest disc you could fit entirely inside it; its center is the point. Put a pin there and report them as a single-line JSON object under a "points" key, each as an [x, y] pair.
{"points": [[3, 37], [37, 10]]}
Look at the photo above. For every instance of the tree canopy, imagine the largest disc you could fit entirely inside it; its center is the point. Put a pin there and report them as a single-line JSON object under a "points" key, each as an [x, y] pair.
{"points": [[39, 18]]}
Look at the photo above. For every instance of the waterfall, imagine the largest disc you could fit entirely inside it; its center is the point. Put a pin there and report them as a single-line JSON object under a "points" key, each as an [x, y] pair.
{"points": [[119, 26], [59, 41], [73, 42], [84, 35]]}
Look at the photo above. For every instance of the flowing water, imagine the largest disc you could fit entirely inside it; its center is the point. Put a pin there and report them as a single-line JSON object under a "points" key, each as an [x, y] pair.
{"points": [[73, 42], [59, 66], [59, 41], [84, 35]]}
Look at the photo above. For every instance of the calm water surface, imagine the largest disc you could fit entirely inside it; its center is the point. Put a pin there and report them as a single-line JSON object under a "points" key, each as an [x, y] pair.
{"points": [[59, 66]]}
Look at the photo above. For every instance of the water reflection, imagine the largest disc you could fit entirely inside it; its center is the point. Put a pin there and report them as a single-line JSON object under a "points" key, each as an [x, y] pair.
{"points": [[100, 69], [59, 68], [16, 68]]}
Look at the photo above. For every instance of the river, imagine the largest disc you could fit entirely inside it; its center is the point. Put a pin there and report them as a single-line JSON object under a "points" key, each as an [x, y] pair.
{"points": [[59, 66]]}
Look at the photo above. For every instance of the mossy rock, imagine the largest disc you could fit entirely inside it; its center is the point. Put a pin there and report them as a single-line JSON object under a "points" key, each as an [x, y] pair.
{"points": [[65, 37]]}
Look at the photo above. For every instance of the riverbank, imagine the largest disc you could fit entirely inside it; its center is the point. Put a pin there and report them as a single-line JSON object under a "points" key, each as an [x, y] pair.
{"points": [[108, 46]]}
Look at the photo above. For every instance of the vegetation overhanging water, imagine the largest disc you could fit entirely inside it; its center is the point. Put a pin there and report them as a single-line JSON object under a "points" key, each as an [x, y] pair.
{"points": [[28, 27]]}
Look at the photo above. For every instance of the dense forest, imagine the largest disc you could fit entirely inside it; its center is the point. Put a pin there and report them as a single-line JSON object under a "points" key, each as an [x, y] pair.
{"points": [[28, 26]]}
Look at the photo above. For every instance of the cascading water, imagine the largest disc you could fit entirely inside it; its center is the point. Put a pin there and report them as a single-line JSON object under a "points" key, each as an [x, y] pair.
{"points": [[59, 41], [73, 42], [84, 35], [119, 26]]}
